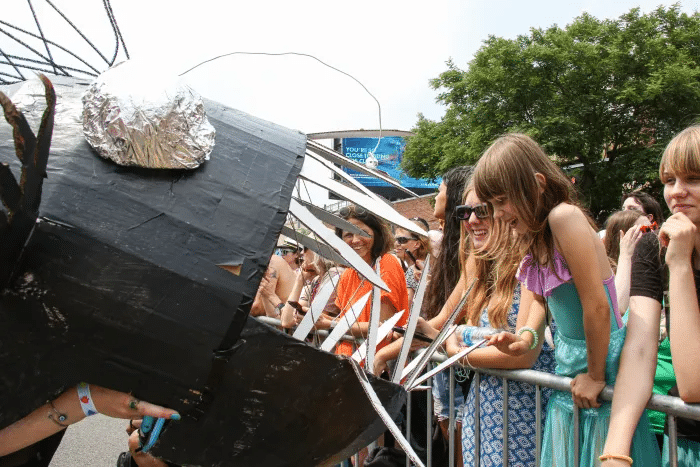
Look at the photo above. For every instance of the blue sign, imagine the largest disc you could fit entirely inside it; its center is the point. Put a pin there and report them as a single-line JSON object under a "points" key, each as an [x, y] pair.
{"points": [[389, 154]]}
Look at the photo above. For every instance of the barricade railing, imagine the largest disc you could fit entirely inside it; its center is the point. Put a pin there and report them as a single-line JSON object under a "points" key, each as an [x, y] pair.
{"points": [[673, 407]]}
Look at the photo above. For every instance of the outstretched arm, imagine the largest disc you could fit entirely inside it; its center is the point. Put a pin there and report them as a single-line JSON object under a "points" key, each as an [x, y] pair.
{"points": [[509, 350], [65, 410]]}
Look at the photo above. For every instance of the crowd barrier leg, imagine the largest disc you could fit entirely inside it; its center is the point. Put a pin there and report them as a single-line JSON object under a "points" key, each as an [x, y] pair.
{"points": [[429, 424], [477, 419], [538, 424], [452, 424], [577, 439], [505, 422], [408, 424], [672, 441]]}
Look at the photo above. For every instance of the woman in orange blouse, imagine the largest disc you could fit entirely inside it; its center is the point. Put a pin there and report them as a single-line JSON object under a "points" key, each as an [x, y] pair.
{"points": [[353, 286]]}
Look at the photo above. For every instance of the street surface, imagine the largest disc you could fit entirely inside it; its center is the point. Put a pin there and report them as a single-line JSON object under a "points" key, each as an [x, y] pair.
{"points": [[94, 442]]}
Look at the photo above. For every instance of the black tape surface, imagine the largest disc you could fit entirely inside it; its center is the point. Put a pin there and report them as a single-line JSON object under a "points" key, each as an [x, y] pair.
{"points": [[118, 285]]}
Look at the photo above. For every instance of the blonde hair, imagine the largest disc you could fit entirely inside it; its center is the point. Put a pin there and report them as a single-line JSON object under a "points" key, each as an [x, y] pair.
{"points": [[495, 267], [508, 169], [682, 154]]}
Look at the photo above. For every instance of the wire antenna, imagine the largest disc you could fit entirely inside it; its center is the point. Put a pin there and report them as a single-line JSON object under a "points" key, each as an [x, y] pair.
{"points": [[19, 52], [299, 54]]}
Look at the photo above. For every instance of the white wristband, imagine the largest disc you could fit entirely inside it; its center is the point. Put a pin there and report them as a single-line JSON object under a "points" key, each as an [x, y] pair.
{"points": [[86, 400]]}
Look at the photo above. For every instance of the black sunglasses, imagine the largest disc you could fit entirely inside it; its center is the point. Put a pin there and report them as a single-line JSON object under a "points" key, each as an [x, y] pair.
{"points": [[404, 240], [464, 211]]}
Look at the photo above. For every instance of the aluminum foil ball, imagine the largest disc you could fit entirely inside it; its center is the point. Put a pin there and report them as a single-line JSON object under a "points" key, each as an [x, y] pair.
{"points": [[136, 115], [371, 161]]}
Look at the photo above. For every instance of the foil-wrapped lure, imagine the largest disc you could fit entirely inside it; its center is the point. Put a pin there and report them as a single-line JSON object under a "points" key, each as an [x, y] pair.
{"points": [[137, 116]]}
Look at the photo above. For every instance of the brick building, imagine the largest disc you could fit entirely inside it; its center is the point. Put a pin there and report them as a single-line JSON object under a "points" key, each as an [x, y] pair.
{"points": [[418, 207]]}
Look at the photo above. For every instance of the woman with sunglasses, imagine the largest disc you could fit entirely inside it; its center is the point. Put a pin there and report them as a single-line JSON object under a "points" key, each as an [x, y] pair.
{"points": [[373, 248], [412, 250], [444, 284], [492, 255]]}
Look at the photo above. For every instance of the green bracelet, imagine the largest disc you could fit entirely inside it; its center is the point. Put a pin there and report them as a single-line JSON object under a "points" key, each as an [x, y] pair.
{"points": [[534, 334]]}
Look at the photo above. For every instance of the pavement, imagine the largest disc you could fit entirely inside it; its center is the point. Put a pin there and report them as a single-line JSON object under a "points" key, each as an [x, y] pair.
{"points": [[94, 442]]}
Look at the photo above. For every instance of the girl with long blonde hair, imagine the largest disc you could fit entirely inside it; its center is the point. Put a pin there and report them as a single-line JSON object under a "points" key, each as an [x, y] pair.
{"points": [[491, 254]]}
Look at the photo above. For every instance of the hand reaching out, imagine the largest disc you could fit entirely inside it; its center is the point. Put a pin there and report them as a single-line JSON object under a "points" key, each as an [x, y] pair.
{"points": [[509, 343]]}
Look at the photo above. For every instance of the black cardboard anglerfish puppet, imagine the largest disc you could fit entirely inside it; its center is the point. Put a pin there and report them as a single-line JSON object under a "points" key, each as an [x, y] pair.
{"points": [[112, 275]]}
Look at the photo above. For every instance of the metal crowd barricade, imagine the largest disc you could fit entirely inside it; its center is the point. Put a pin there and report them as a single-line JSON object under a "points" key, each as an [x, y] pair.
{"points": [[672, 406]]}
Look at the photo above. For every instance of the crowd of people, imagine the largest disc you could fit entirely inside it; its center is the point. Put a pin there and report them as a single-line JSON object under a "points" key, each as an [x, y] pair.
{"points": [[553, 293], [558, 296]]}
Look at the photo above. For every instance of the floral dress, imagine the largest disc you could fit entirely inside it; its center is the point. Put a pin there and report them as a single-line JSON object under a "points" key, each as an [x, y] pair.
{"points": [[521, 410]]}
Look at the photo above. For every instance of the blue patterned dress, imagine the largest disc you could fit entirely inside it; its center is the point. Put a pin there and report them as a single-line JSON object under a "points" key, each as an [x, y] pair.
{"points": [[521, 410]]}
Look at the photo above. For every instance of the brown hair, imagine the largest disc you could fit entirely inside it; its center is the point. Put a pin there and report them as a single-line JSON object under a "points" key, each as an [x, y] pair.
{"points": [[424, 249], [508, 168], [383, 240], [445, 274], [618, 221]]}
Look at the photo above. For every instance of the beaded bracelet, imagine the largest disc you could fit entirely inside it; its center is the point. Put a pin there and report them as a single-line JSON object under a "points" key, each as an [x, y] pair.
{"points": [[534, 335], [618, 457]]}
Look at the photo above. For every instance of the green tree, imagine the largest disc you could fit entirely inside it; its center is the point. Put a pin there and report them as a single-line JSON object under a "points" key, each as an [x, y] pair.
{"points": [[603, 97]]}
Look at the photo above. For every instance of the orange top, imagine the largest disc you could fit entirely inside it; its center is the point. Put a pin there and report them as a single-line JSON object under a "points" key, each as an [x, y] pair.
{"points": [[352, 287]]}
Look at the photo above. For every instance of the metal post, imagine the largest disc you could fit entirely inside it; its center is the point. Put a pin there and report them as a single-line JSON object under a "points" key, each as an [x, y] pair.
{"points": [[477, 419], [408, 424], [672, 441], [451, 428], [429, 424], [538, 424], [576, 436], [505, 422]]}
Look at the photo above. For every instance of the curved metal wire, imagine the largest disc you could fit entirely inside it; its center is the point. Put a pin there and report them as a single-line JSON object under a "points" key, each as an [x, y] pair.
{"points": [[46, 62]]}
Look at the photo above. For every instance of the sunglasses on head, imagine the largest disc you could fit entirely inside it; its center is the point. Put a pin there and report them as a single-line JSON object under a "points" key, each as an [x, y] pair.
{"points": [[348, 211], [422, 221], [464, 211], [404, 240]]}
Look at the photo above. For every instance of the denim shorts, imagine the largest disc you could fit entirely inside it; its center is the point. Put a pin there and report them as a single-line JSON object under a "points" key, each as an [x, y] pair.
{"points": [[441, 396]]}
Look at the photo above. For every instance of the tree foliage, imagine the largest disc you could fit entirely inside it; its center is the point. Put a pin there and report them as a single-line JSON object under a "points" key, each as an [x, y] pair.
{"points": [[602, 96]]}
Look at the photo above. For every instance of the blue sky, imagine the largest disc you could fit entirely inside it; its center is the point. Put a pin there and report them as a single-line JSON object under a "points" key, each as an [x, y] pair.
{"points": [[393, 47]]}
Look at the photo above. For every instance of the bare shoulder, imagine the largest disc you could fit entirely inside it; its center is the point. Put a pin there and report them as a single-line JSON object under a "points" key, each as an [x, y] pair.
{"points": [[565, 216], [278, 263]]}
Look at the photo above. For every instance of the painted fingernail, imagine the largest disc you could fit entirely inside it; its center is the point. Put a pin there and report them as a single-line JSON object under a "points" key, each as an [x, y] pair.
{"points": [[175, 416]]}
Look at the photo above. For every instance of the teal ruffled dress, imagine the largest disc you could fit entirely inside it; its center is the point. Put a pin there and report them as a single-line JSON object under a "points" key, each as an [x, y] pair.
{"points": [[571, 359]]}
